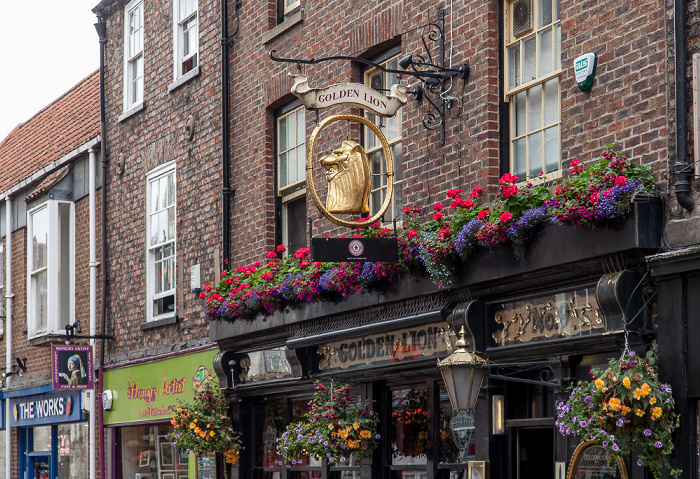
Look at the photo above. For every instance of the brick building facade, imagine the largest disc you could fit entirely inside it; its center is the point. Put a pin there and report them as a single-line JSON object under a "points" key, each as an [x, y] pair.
{"points": [[50, 207], [518, 111]]}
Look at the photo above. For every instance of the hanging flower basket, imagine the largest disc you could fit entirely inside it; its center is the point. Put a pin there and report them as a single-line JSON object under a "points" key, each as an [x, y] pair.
{"points": [[334, 427], [622, 408], [204, 426]]}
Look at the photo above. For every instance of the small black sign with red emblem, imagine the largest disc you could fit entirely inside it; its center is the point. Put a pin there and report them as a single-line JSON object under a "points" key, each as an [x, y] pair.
{"points": [[373, 250]]}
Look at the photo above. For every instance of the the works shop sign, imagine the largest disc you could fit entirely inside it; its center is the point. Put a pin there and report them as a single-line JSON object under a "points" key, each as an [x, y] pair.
{"points": [[50, 408]]}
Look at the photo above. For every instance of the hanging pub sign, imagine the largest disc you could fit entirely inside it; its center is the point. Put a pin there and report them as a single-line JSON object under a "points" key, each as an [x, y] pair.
{"points": [[72, 367], [354, 94], [347, 169]]}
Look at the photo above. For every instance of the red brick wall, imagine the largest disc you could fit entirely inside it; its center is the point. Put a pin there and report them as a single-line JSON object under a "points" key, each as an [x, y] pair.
{"points": [[145, 140], [628, 106]]}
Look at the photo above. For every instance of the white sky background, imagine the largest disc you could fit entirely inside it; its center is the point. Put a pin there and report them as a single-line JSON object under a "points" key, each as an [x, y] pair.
{"points": [[48, 47]]}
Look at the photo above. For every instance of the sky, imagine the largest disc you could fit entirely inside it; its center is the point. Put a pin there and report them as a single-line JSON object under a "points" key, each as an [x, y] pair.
{"points": [[48, 47]]}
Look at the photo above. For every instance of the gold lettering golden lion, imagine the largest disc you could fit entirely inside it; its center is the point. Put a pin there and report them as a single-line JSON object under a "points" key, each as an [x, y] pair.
{"points": [[348, 176]]}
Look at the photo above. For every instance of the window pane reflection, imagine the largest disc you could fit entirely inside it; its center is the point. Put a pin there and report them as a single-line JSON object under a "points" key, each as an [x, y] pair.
{"points": [[409, 426]]}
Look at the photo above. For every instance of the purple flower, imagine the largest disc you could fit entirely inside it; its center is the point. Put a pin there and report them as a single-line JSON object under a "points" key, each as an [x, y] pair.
{"points": [[620, 422], [647, 432], [587, 399], [615, 448], [605, 443], [639, 462], [583, 423], [377, 436], [612, 437], [342, 458], [658, 445], [632, 353]]}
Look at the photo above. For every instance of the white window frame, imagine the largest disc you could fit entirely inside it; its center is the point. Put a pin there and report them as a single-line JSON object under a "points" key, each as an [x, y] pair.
{"points": [[133, 83], [290, 5], [53, 274], [151, 296], [523, 89], [294, 186], [373, 146], [182, 25]]}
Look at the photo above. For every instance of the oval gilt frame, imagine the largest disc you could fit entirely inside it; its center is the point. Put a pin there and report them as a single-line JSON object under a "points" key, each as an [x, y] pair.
{"points": [[578, 453], [388, 159]]}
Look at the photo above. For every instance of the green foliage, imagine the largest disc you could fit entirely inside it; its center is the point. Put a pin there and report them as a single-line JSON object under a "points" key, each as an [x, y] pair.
{"points": [[624, 407], [334, 427], [204, 426]]}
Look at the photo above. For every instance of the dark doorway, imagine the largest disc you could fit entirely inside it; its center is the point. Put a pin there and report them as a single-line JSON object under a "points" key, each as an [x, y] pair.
{"points": [[535, 452]]}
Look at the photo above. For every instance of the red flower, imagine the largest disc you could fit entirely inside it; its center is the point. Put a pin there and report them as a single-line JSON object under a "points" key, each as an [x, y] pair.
{"points": [[483, 214], [411, 234], [505, 216], [271, 254], [302, 253], [281, 249], [620, 181], [438, 215], [508, 178], [454, 193], [437, 207], [509, 190], [476, 192], [267, 276]]}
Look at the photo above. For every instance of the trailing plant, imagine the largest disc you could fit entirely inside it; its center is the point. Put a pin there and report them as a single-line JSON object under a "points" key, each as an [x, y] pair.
{"points": [[334, 427], [437, 239], [204, 427], [622, 408]]}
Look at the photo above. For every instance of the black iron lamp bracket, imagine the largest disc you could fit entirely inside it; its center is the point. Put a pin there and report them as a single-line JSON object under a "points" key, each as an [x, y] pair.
{"points": [[436, 80]]}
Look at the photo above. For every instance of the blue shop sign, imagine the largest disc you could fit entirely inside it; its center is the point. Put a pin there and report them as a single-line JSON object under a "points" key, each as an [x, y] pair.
{"points": [[49, 408]]}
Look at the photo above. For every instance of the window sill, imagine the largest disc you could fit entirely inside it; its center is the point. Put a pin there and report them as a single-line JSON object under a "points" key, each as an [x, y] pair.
{"points": [[162, 321], [284, 26], [47, 339], [132, 111], [194, 73]]}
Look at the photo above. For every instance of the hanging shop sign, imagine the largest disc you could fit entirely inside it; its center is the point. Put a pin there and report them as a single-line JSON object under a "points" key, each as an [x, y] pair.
{"points": [[591, 461], [146, 391], [72, 367], [354, 94], [569, 314], [409, 344], [49, 408]]}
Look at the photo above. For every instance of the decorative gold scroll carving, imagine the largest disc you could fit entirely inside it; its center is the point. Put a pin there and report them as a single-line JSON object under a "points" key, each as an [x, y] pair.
{"points": [[544, 318]]}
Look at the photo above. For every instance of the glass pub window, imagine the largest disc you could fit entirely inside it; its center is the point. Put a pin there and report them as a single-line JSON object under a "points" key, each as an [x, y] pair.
{"points": [[291, 181], [391, 128], [533, 69]]}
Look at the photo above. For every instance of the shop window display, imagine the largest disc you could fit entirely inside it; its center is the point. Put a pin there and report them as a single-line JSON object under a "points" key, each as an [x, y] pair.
{"points": [[72, 443], [146, 454]]}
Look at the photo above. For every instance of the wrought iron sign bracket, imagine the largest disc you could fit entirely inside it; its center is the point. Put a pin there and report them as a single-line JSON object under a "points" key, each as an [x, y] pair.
{"points": [[436, 80], [509, 371]]}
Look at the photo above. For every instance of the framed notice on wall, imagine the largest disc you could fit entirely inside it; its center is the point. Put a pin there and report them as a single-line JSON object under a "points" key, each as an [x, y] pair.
{"points": [[590, 461]]}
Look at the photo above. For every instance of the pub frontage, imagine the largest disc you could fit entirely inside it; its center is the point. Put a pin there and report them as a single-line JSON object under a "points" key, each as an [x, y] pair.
{"points": [[576, 299]]}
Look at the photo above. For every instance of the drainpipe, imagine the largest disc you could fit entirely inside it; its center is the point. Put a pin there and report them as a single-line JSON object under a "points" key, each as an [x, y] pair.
{"points": [[683, 169], [93, 305], [225, 175], [101, 28], [8, 328]]}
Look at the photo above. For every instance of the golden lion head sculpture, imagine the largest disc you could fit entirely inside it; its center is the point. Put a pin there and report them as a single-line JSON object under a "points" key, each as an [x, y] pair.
{"points": [[349, 179]]}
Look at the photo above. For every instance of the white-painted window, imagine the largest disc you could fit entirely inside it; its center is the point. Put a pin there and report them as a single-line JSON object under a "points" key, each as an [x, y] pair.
{"points": [[291, 177], [186, 37], [391, 128], [133, 54], [2, 281], [161, 233], [533, 78], [50, 267]]}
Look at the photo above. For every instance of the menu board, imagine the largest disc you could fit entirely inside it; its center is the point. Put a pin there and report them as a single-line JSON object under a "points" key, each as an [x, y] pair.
{"points": [[206, 467]]}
